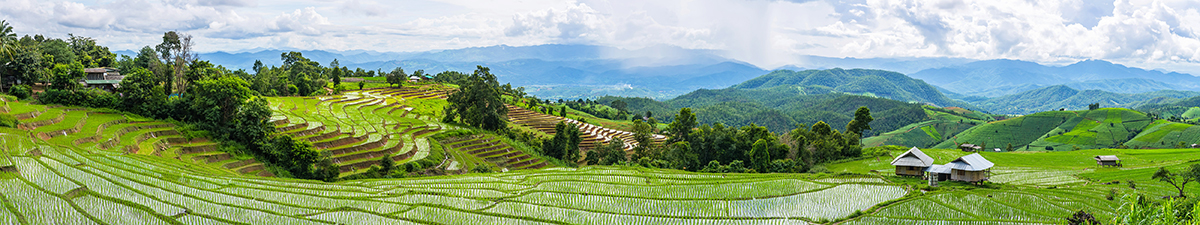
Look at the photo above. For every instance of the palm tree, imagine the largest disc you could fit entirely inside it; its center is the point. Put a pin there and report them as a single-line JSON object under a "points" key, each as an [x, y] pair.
{"points": [[6, 39]]}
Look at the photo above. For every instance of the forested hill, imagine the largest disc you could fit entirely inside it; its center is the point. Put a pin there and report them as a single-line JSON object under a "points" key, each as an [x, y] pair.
{"points": [[1188, 109], [779, 109], [1060, 96], [880, 83]]}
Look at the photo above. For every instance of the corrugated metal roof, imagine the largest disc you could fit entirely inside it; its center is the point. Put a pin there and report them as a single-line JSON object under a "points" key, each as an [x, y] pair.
{"points": [[972, 162], [938, 169], [913, 157], [95, 70], [102, 81], [1107, 158]]}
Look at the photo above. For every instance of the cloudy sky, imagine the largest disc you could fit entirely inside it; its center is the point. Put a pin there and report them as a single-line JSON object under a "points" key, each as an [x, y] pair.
{"points": [[1151, 34]]}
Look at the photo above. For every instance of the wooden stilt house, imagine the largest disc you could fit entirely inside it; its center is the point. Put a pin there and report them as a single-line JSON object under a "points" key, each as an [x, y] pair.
{"points": [[912, 163], [1108, 160], [970, 168]]}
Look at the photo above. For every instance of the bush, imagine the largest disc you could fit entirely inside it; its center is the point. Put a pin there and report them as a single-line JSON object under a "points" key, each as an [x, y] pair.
{"points": [[94, 98], [21, 91], [7, 120]]}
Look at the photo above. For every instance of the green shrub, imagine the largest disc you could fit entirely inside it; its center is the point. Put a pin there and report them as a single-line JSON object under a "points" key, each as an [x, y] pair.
{"points": [[7, 120], [21, 91]]}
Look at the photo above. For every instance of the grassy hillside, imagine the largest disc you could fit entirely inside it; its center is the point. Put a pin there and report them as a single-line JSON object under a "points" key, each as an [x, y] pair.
{"points": [[1168, 107], [1067, 130], [1060, 96], [1163, 134], [879, 83], [943, 123]]}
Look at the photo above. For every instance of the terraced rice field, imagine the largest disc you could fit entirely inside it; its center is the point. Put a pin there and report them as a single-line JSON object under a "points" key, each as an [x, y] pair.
{"points": [[983, 206], [80, 166], [66, 185], [112, 133], [359, 128], [592, 135], [485, 150]]}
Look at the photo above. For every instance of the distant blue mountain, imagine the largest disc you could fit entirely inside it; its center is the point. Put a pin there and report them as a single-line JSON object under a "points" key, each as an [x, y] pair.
{"points": [[993, 78], [905, 65], [560, 71]]}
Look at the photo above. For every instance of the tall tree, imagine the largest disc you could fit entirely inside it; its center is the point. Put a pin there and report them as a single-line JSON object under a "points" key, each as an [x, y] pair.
{"points": [[478, 103], [1179, 180], [396, 77], [7, 37], [67, 76], [215, 102], [141, 94], [336, 73], [176, 50], [861, 122], [7, 53], [681, 128], [90, 54], [258, 66], [760, 157], [682, 157], [645, 142]]}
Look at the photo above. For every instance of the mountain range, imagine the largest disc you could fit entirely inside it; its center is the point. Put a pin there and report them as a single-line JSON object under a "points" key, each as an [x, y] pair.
{"points": [[662, 72], [995, 78], [1063, 97]]}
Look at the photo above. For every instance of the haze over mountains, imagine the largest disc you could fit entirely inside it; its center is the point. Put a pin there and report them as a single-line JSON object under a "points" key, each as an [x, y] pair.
{"points": [[994, 78], [663, 72]]}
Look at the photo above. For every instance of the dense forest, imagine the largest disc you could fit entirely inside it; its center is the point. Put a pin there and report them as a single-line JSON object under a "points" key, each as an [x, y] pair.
{"points": [[168, 81], [878, 83], [780, 109]]}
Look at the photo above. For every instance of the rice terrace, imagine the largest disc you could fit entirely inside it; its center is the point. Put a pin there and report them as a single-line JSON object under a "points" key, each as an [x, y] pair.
{"points": [[998, 112]]}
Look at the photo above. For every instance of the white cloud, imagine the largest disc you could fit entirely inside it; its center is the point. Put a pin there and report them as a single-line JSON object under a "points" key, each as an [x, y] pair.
{"points": [[306, 21], [366, 8], [1158, 33]]}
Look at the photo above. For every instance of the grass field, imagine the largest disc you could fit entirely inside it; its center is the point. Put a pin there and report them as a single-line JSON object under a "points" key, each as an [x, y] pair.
{"points": [[1069, 130], [1034, 187], [941, 124]]}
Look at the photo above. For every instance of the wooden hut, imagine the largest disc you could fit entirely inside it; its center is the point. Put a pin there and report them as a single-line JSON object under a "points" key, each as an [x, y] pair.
{"points": [[969, 147], [970, 168], [1108, 160], [106, 78], [912, 163]]}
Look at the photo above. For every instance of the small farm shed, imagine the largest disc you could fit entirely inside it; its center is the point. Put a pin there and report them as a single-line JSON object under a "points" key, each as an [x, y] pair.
{"points": [[938, 172], [912, 163], [970, 147], [104, 78], [1195, 145], [970, 168], [1107, 160]]}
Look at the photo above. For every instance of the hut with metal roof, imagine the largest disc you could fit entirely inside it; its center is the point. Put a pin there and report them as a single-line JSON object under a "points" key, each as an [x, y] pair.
{"points": [[970, 168], [912, 163], [106, 78], [1108, 160]]}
